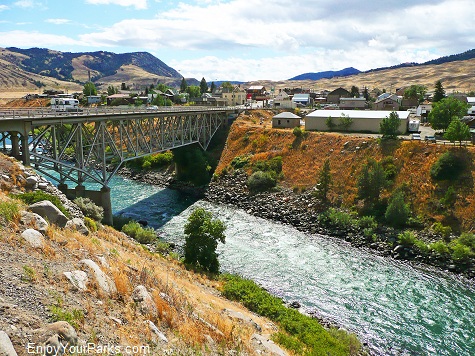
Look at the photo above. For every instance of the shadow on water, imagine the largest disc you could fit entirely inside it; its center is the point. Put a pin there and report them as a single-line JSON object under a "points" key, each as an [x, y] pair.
{"points": [[159, 208]]}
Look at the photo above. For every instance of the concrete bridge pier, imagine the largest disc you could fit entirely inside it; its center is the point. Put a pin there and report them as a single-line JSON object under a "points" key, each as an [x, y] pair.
{"points": [[101, 198]]}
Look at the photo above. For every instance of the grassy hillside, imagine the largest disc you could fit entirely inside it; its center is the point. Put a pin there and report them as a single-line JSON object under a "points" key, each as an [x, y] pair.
{"points": [[302, 159]]}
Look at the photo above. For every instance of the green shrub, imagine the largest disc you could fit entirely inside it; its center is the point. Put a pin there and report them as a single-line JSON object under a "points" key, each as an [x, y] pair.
{"points": [[273, 165], [138, 233], [261, 181], [440, 247], [38, 195], [338, 218], [297, 132], [390, 169], [367, 222], [467, 239], [449, 166], [10, 210], [119, 221], [406, 238], [90, 224], [89, 208], [240, 161], [460, 252], [444, 231], [304, 333]]}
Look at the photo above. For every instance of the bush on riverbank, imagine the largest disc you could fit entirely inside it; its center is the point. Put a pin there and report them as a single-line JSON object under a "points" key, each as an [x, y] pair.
{"points": [[303, 334], [139, 233], [38, 195], [153, 161]]}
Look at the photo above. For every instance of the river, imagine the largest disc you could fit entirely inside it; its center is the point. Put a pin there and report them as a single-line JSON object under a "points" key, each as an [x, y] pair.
{"points": [[398, 309]]}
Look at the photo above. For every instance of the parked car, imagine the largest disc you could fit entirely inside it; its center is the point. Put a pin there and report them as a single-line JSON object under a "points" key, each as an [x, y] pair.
{"points": [[430, 138], [416, 136]]}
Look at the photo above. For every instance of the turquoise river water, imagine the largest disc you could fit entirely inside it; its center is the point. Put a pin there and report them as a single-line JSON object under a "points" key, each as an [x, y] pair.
{"points": [[398, 309]]}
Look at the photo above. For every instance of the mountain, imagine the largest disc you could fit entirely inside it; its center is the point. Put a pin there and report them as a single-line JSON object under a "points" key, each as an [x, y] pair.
{"points": [[327, 74], [103, 68]]}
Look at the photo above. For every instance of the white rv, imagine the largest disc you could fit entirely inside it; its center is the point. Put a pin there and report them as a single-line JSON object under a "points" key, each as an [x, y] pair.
{"points": [[65, 104], [413, 125]]}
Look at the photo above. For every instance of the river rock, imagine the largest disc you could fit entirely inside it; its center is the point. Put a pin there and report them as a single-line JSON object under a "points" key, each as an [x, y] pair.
{"points": [[78, 225], [106, 284], [34, 238], [32, 182], [6, 346], [50, 212], [34, 220], [78, 279], [55, 337], [142, 297]]}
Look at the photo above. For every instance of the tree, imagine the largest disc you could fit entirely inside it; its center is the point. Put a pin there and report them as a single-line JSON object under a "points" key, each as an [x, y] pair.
{"points": [[183, 85], [203, 86], [366, 93], [371, 182], [439, 92], [111, 90], [202, 236], [457, 131], [345, 122], [330, 124], [212, 88], [445, 110], [324, 181], [397, 212], [227, 86], [415, 91], [389, 126], [194, 91], [355, 92], [89, 89]]}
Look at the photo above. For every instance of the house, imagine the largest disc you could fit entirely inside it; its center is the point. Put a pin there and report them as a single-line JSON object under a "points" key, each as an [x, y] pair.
{"points": [[93, 99], [119, 99], [352, 103], [236, 96], [257, 92], [334, 96], [362, 120], [387, 102], [285, 119], [283, 101], [303, 99], [423, 110]]}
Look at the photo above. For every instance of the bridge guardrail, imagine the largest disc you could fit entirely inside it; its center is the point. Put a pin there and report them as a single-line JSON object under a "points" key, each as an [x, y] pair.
{"points": [[27, 113]]}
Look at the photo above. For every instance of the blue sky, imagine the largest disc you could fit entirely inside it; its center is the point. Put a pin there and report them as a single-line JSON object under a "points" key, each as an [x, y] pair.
{"points": [[247, 40]]}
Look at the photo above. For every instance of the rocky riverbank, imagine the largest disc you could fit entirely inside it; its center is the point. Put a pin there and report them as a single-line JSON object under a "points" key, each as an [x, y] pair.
{"points": [[301, 210]]}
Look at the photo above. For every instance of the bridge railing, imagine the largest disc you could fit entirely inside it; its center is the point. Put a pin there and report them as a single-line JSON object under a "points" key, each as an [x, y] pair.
{"points": [[26, 113]]}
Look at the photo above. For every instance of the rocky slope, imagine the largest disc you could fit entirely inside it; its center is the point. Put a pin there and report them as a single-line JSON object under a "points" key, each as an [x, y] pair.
{"points": [[63, 285]]}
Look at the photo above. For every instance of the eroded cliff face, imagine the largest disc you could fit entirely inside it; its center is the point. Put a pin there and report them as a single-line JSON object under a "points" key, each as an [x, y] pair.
{"points": [[68, 289], [406, 163]]}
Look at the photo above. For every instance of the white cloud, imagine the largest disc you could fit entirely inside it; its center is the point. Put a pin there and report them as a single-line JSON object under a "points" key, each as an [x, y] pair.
{"points": [[3, 7], [138, 4], [24, 3], [58, 21], [27, 39]]}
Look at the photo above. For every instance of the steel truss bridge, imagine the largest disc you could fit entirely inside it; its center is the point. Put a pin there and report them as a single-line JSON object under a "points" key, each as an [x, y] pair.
{"points": [[91, 145]]}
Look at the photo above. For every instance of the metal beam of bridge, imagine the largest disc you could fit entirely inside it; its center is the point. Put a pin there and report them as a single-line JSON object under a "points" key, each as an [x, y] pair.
{"points": [[81, 145]]}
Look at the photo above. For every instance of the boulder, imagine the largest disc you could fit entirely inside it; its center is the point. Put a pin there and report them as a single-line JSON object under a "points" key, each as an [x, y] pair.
{"points": [[50, 212], [55, 338], [142, 297], [34, 220], [78, 279], [78, 225], [6, 346], [32, 182], [268, 345], [34, 238], [241, 318], [106, 284]]}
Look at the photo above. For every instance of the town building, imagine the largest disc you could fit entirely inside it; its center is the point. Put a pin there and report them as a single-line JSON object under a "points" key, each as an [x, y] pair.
{"points": [[285, 120]]}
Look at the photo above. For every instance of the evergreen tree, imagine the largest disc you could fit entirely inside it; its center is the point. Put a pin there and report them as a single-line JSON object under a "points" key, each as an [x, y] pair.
{"points": [[111, 90], [212, 88], [366, 93], [355, 92], [203, 86], [389, 126], [183, 85], [439, 92], [397, 212], [371, 182], [202, 237], [324, 181]]}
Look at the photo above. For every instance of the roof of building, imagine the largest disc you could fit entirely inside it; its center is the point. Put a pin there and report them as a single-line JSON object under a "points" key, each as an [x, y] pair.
{"points": [[470, 99], [357, 114], [353, 99], [256, 87], [301, 97], [286, 115]]}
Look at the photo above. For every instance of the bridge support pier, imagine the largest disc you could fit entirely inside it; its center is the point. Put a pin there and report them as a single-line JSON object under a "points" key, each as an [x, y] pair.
{"points": [[101, 198]]}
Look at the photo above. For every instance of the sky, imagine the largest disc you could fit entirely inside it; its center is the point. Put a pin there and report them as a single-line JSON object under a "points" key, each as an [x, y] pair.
{"points": [[247, 40]]}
